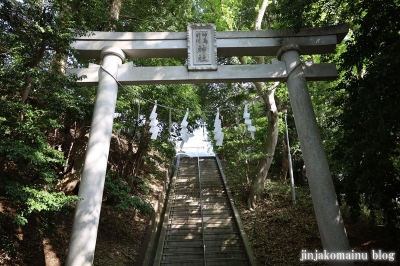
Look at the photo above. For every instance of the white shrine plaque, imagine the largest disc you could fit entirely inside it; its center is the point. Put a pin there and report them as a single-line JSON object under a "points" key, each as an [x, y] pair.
{"points": [[202, 47]]}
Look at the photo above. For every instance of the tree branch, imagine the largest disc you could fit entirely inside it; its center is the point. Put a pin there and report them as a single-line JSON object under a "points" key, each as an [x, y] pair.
{"points": [[260, 15], [257, 25], [129, 17]]}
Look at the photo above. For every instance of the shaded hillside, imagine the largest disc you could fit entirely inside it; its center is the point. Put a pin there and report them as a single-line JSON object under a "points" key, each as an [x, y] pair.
{"points": [[279, 231], [127, 204]]}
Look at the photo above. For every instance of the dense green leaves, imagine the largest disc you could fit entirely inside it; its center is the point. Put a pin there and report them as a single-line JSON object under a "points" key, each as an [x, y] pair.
{"points": [[28, 199], [39, 105], [368, 146], [36, 99], [359, 122], [227, 14], [118, 189], [371, 136]]}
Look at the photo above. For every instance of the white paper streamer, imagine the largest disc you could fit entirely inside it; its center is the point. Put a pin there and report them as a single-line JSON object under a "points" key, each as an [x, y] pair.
{"points": [[247, 121], [185, 135], [218, 134], [154, 122]]}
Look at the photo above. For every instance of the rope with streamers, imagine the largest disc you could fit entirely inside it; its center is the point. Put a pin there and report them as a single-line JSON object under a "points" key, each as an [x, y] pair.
{"points": [[172, 108], [202, 111]]}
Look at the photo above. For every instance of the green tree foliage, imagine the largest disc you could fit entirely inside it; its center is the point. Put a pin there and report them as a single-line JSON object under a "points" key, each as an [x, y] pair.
{"points": [[120, 190], [359, 122], [226, 14], [35, 100], [39, 104], [151, 16], [298, 14], [368, 145]]}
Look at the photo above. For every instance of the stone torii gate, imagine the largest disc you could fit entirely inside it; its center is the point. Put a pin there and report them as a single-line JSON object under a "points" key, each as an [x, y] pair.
{"points": [[201, 44]]}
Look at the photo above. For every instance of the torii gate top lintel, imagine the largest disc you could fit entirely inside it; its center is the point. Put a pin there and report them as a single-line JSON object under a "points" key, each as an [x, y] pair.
{"points": [[229, 43]]}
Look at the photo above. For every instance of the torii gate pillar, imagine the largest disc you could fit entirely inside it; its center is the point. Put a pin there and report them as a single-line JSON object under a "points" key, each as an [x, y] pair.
{"points": [[87, 213], [326, 207]]}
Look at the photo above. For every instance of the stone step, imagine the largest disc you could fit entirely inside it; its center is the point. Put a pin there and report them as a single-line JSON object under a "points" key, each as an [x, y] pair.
{"points": [[214, 262], [208, 227], [182, 256], [208, 220], [212, 244], [199, 229], [209, 248], [184, 262], [196, 236], [228, 262], [183, 243], [199, 255], [188, 210], [185, 237]]}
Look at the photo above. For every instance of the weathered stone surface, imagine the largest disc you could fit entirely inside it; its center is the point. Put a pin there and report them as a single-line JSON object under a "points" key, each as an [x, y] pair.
{"points": [[326, 207], [234, 43], [180, 74], [87, 212]]}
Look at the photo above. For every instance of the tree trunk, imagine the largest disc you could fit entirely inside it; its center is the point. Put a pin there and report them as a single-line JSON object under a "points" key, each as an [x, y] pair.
{"points": [[33, 64], [268, 96], [28, 85], [285, 161], [75, 156], [143, 147], [115, 9], [257, 184]]}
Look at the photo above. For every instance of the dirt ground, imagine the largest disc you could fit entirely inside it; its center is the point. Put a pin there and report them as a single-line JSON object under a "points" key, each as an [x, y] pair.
{"points": [[279, 231], [118, 242]]}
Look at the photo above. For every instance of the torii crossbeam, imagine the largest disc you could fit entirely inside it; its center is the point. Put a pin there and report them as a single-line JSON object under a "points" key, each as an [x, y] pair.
{"points": [[201, 45]]}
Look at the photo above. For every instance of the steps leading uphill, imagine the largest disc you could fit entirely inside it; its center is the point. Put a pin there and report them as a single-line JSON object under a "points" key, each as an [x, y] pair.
{"points": [[201, 226]]}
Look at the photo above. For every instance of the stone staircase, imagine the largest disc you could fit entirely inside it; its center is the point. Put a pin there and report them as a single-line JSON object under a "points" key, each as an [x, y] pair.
{"points": [[200, 225]]}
